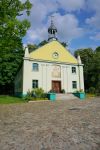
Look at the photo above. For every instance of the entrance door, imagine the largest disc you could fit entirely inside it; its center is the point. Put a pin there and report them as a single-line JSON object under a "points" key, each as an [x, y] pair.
{"points": [[56, 86]]}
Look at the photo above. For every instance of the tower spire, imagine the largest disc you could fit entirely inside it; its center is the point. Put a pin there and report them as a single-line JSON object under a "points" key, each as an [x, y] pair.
{"points": [[52, 20], [52, 31]]}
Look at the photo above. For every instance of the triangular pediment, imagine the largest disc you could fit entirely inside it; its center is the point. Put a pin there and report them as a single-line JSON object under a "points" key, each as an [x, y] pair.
{"points": [[53, 52]]}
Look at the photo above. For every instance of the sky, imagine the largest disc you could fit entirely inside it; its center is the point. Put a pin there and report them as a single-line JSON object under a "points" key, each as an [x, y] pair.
{"points": [[77, 22]]}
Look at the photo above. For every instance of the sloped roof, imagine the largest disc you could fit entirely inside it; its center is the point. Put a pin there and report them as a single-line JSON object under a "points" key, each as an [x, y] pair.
{"points": [[48, 52]]}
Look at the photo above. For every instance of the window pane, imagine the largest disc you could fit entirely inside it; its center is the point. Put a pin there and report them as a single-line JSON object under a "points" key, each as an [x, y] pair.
{"points": [[73, 69], [35, 67], [35, 84], [74, 84]]}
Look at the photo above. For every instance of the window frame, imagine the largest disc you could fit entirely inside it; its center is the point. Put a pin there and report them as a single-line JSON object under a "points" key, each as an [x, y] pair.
{"points": [[36, 83], [35, 67], [73, 70], [74, 84]]}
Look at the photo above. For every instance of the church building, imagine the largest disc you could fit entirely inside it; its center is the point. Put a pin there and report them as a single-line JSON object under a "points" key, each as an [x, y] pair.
{"points": [[50, 67]]}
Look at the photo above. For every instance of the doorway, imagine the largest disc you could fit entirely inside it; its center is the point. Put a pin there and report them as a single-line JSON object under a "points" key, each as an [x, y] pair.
{"points": [[56, 86]]}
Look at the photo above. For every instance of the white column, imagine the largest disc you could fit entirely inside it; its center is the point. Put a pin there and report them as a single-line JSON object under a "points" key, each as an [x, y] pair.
{"points": [[81, 78]]}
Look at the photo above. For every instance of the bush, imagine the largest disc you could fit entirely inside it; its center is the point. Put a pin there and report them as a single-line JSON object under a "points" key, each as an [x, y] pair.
{"points": [[92, 90], [28, 96], [51, 91], [62, 91], [97, 94], [37, 93]]}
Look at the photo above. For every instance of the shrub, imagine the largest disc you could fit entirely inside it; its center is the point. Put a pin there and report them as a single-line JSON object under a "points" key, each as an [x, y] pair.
{"points": [[51, 91], [28, 96], [63, 91], [97, 93], [81, 90], [92, 90], [37, 93]]}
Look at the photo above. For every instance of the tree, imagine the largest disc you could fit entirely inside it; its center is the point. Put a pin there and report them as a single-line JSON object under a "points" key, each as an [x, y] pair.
{"points": [[42, 43], [96, 69], [32, 47], [97, 49], [64, 44], [91, 61], [12, 31]]}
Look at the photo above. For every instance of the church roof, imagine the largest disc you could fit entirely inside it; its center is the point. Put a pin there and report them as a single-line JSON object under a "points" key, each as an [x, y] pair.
{"points": [[53, 52]]}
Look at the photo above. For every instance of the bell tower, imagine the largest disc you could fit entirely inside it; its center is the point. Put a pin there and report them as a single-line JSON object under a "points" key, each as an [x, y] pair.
{"points": [[52, 31]]}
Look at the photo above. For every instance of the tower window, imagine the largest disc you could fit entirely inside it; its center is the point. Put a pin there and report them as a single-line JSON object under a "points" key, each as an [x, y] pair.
{"points": [[73, 69], [34, 83], [74, 84], [35, 67]]}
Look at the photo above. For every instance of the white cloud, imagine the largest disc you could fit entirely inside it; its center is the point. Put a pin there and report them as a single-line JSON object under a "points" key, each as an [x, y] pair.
{"points": [[67, 25], [94, 21], [96, 37], [37, 35], [71, 5], [93, 5]]}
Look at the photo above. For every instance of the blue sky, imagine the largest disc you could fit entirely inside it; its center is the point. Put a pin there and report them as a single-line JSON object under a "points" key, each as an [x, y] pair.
{"points": [[77, 21]]}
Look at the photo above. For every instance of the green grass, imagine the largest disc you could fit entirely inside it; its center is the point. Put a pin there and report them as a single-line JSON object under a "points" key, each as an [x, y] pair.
{"points": [[89, 95], [10, 100]]}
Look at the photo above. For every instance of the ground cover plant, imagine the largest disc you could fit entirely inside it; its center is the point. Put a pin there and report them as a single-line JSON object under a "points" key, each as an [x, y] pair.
{"points": [[5, 99]]}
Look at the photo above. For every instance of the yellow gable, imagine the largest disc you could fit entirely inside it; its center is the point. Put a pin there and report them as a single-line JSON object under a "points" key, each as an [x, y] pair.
{"points": [[53, 51]]}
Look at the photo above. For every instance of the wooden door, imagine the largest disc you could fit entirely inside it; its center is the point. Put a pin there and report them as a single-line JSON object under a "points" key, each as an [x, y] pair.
{"points": [[56, 86]]}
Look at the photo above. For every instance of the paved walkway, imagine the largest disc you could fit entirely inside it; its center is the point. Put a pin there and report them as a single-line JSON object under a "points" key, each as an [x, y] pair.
{"points": [[60, 125]]}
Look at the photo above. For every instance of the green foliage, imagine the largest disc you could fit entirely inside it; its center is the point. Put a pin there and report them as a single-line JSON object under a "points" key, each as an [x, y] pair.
{"points": [[64, 44], [9, 100], [52, 91], [90, 95], [28, 97], [11, 32], [63, 91], [42, 43], [79, 91], [92, 90], [91, 61], [98, 49], [36, 94], [32, 47]]}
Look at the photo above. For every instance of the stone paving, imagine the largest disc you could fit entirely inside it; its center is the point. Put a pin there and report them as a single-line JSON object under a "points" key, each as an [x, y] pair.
{"points": [[59, 125]]}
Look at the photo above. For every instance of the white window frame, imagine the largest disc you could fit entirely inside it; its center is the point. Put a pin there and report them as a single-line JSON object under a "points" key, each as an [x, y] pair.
{"points": [[73, 70], [35, 67], [74, 84]]}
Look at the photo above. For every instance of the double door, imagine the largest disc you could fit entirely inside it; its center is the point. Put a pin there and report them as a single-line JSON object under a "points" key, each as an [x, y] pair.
{"points": [[56, 86]]}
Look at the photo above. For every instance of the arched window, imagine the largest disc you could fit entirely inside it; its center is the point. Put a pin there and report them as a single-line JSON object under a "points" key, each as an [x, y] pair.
{"points": [[35, 67]]}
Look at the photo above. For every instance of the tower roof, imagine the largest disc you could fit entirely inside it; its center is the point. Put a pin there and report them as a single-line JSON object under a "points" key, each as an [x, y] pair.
{"points": [[52, 30], [52, 27]]}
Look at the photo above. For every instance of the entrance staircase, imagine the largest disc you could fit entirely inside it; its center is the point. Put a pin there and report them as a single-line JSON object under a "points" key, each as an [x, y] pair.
{"points": [[65, 96]]}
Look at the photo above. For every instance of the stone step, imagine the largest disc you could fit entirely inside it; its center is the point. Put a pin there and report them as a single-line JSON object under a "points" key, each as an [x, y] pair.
{"points": [[65, 96]]}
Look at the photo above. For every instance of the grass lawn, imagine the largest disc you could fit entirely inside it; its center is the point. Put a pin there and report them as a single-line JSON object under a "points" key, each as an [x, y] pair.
{"points": [[4, 99]]}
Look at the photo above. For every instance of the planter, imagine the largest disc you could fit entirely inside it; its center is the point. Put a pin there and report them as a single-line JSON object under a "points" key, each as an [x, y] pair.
{"points": [[81, 95], [51, 96]]}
